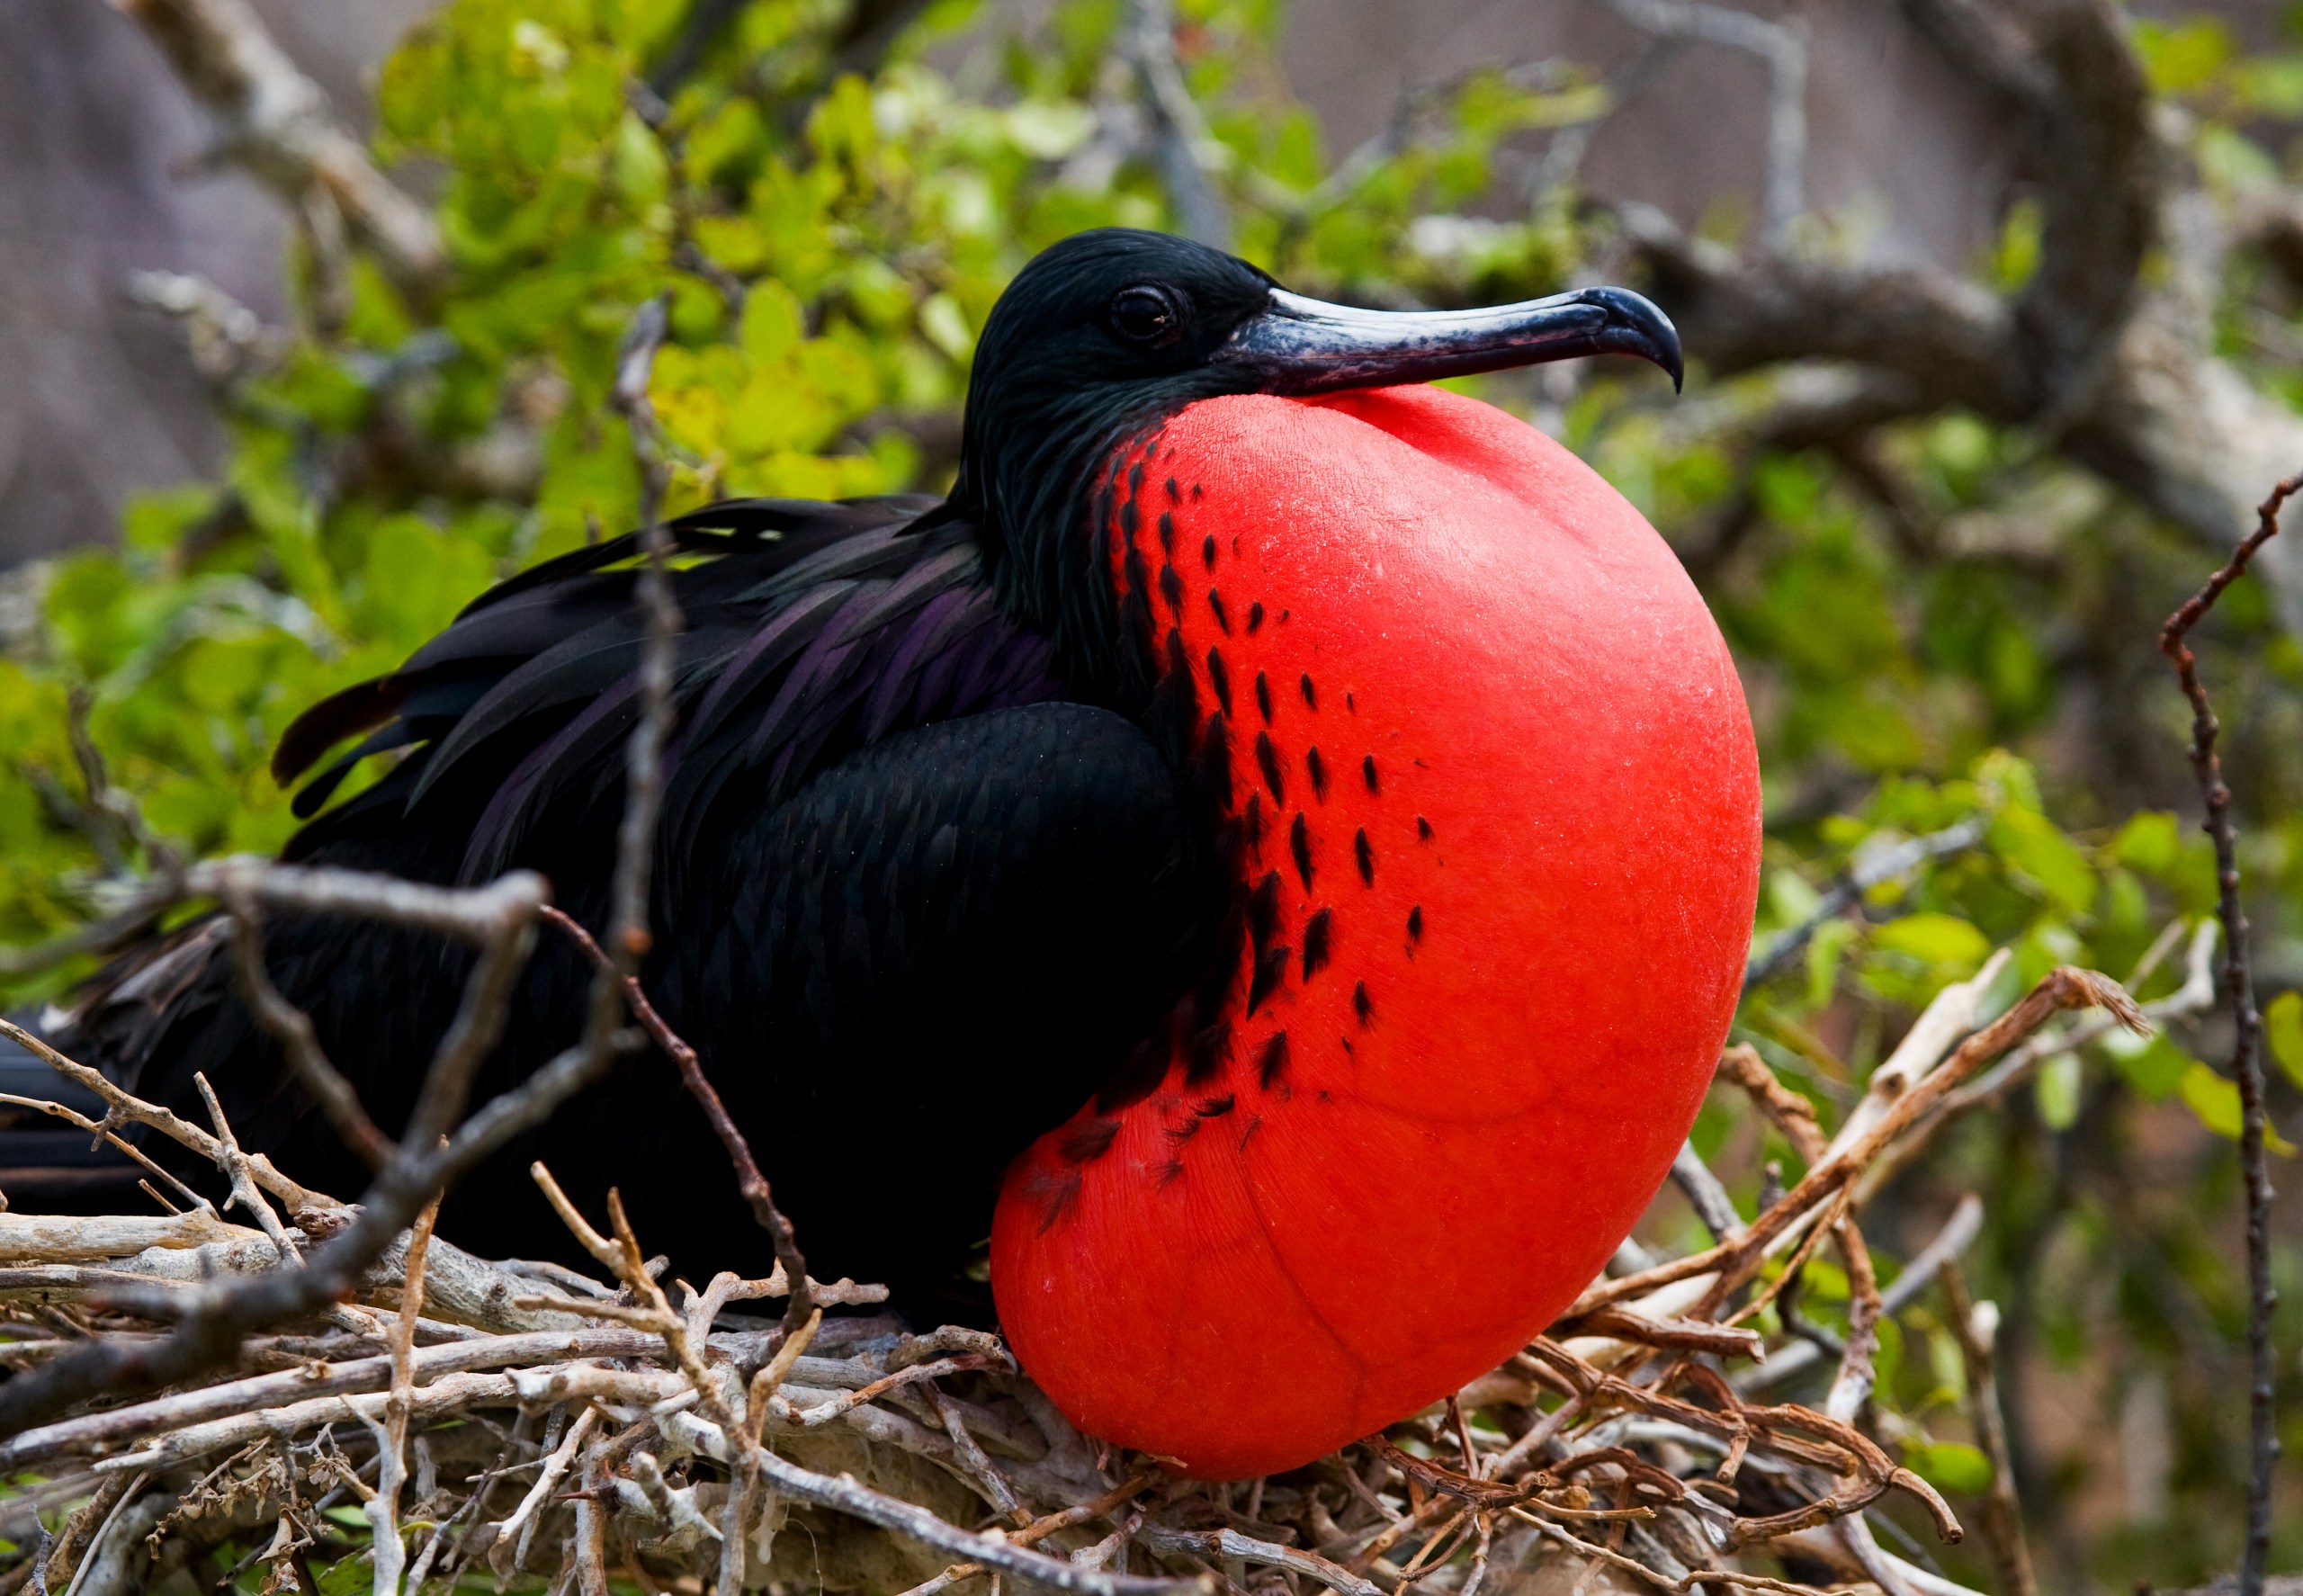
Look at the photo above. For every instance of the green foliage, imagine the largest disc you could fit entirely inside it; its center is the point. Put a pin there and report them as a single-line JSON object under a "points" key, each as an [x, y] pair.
{"points": [[2283, 1033], [831, 244], [1952, 1465]]}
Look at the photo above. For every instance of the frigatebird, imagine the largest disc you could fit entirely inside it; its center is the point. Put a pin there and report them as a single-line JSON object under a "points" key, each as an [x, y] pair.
{"points": [[1272, 851]]}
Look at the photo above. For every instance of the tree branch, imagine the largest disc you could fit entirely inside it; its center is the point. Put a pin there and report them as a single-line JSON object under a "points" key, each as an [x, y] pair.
{"points": [[273, 119], [1782, 46], [2246, 1048]]}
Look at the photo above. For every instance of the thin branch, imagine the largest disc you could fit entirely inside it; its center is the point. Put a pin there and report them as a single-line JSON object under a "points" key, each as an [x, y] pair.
{"points": [[1782, 46], [1871, 869], [122, 1107], [219, 1315], [291, 1028], [1975, 1325], [472, 915], [114, 1427], [1190, 156], [1247, 1548], [392, 1432], [2061, 989], [1959, 1232], [1852, 1386], [1000, 1556], [749, 1178], [2246, 1048], [244, 1192], [1786, 1109], [226, 340], [269, 117], [1704, 1194]]}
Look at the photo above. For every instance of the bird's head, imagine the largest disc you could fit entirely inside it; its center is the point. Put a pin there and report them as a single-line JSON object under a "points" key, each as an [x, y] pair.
{"points": [[1106, 334]]}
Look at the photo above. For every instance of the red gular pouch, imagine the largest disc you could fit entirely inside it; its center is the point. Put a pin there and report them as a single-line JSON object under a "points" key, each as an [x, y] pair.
{"points": [[1500, 810]]}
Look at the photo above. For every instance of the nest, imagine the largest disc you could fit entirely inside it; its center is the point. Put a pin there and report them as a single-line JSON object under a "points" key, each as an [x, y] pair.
{"points": [[442, 1416]]}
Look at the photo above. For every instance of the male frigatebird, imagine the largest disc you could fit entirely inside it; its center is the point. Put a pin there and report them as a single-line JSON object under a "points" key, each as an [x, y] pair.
{"points": [[1273, 850]]}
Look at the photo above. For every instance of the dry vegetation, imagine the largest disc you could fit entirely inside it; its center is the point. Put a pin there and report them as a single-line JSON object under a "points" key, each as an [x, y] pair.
{"points": [[523, 1419], [321, 1393]]}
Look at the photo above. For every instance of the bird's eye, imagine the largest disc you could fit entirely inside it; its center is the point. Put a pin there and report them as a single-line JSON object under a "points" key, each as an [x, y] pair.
{"points": [[1148, 316]]}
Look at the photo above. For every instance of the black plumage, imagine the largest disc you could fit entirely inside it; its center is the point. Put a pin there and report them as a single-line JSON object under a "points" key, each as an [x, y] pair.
{"points": [[949, 844]]}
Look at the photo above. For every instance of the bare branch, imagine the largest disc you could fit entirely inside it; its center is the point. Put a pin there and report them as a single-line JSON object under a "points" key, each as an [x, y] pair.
{"points": [[391, 1430], [245, 1193], [291, 1028], [1975, 1325], [1872, 866], [226, 339], [1958, 1234], [756, 1193], [269, 118], [1704, 1193], [2246, 1048], [1190, 156], [2063, 987], [219, 1315], [124, 1108], [1000, 1556], [115, 1427], [1783, 46], [1231, 1543]]}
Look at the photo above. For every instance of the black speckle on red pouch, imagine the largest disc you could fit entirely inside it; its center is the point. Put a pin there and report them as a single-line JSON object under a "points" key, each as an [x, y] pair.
{"points": [[1271, 1064], [1318, 938], [1267, 761], [1086, 1139]]}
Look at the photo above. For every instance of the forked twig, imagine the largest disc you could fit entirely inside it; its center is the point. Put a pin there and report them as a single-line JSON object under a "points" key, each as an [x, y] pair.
{"points": [[2246, 1047], [754, 1185]]}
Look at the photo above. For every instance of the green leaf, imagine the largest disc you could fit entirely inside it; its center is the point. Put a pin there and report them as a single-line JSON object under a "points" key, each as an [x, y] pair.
{"points": [[2031, 846], [1952, 1465], [2150, 841], [2215, 1102], [2186, 56], [1945, 943], [1791, 896], [1826, 951], [347, 1576], [2055, 1090], [2154, 1065], [2016, 256], [2283, 1033]]}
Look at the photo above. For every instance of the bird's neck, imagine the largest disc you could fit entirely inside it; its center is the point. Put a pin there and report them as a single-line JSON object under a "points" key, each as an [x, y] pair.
{"points": [[1045, 487]]}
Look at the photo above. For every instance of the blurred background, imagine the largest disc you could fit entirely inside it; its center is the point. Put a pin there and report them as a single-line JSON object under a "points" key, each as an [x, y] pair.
{"points": [[1992, 312]]}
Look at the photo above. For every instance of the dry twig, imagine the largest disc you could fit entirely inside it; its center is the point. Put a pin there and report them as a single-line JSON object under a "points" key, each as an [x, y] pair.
{"points": [[1975, 1325], [2246, 1048]]}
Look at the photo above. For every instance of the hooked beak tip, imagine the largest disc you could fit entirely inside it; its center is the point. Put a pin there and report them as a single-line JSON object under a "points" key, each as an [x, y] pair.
{"points": [[1636, 325]]}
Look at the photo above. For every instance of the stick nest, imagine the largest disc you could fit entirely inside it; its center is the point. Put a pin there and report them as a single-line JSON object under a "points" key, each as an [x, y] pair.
{"points": [[562, 1430]]}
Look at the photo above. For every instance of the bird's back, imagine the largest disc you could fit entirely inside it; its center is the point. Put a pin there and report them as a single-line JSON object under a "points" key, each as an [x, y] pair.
{"points": [[859, 921]]}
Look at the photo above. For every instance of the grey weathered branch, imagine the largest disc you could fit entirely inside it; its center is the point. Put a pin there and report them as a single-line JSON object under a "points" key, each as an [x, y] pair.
{"points": [[1782, 46], [269, 118], [1975, 1325], [1704, 1194], [226, 339], [2114, 370], [1870, 868], [1190, 158]]}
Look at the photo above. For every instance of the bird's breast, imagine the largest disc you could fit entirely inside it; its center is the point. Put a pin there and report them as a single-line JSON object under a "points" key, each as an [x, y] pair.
{"points": [[1493, 816]]}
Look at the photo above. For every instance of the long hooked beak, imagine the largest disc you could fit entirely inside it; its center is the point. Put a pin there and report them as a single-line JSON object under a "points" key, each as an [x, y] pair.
{"points": [[1298, 346]]}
